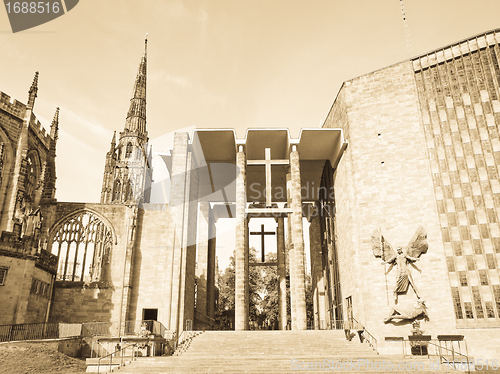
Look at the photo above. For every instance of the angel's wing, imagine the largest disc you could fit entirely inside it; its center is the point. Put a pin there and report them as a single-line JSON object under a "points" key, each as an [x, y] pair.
{"points": [[418, 244], [381, 248]]}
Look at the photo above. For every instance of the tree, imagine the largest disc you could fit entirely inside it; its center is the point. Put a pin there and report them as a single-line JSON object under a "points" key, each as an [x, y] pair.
{"points": [[227, 286], [263, 294], [270, 285]]}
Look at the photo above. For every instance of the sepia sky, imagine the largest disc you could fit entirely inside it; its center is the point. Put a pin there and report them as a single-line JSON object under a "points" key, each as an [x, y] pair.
{"points": [[211, 64]]}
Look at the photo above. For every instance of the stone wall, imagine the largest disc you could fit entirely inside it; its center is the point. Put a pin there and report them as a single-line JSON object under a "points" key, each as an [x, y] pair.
{"points": [[98, 301], [21, 304], [384, 182], [151, 256]]}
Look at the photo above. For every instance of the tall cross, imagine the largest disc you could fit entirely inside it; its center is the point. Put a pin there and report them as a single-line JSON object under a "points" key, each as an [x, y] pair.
{"points": [[262, 234], [268, 162]]}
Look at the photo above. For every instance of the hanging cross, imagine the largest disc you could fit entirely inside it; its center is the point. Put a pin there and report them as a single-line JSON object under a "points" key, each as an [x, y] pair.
{"points": [[268, 162], [262, 234]]}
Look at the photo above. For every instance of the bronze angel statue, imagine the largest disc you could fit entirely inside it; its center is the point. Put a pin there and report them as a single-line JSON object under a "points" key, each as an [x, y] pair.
{"points": [[402, 259]]}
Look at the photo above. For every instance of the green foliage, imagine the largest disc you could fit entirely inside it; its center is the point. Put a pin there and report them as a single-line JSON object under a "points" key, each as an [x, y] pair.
{"points": [[227, 283], [263, 294]]}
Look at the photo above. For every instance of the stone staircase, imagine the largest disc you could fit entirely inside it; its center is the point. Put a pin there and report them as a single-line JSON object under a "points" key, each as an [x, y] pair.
{"points": [[279, 352]]}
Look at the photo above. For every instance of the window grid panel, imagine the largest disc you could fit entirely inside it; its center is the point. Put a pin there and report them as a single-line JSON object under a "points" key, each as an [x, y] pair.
{"points": [[455, 97]]}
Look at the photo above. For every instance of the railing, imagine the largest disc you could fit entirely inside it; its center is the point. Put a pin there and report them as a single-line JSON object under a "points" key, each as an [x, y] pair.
{"points": [[458, 359], [370, 339], [100, 329], [98, 348], [335, 324], [105, 332], [423, 345], [37, 331], [110, 355], [353, 324], [127, 328]]}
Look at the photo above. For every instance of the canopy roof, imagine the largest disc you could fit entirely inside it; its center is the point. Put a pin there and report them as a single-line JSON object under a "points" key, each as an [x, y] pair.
{"points": [[215, 151]]}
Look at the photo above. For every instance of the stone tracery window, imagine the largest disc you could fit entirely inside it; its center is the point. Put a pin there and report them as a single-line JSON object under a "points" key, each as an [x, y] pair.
{"points": [[129, 150], [83, 243], [117, 190]]}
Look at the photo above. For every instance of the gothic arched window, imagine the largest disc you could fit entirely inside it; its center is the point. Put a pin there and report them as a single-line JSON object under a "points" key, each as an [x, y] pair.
{"points": [[83, 243], [117, 190], [130, 191], [128, 153]]}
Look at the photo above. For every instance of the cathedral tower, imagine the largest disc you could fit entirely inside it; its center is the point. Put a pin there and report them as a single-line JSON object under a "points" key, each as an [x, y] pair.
{"points": [[128, 169]]}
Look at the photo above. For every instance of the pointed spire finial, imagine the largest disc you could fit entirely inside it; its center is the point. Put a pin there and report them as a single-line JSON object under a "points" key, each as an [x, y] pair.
{"points": [[113, 143], [54, 128], [136, 116], [32, 92]]}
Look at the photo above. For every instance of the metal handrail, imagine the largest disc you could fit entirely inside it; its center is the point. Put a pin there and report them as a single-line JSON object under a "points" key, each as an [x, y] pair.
{"points": [[98, 346], [125, 328], [453, 353], [336, 324], [114, 353], [38, 331], [372, 341]]}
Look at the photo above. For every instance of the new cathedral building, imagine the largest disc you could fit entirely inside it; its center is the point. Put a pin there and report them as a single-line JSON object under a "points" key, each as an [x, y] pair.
{"points": [[413, 147]]}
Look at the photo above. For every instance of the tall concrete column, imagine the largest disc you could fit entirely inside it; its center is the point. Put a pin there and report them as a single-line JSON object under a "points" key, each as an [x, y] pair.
{"points": [[177, 199], [291, 255], [281, 273], [241, 271], [317, 274], [247, 273], [211, 267], [182, 236], [188, 260], [202, 260], [298, 241]]}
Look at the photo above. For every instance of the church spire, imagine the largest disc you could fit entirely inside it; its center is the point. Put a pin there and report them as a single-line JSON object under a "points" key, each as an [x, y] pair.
{"points": [[113, 143], [32, 92], [128, 174], [136, 116], [54, 128]]}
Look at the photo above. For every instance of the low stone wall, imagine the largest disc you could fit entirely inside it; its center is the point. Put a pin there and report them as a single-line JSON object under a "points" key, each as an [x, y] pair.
{"points": [[69, 346]]}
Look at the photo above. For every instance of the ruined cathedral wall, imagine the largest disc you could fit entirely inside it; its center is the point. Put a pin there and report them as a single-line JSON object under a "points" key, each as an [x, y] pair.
{"points": [[384, 182], [22, 300], [11, 121], [99, 301], [152, 255]]}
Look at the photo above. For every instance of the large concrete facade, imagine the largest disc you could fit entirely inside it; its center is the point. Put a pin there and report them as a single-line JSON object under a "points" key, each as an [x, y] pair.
{"points": [[423, 142]]}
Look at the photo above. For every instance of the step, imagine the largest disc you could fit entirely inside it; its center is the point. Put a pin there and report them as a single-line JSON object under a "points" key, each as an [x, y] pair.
{"points": [[279, 352]]}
